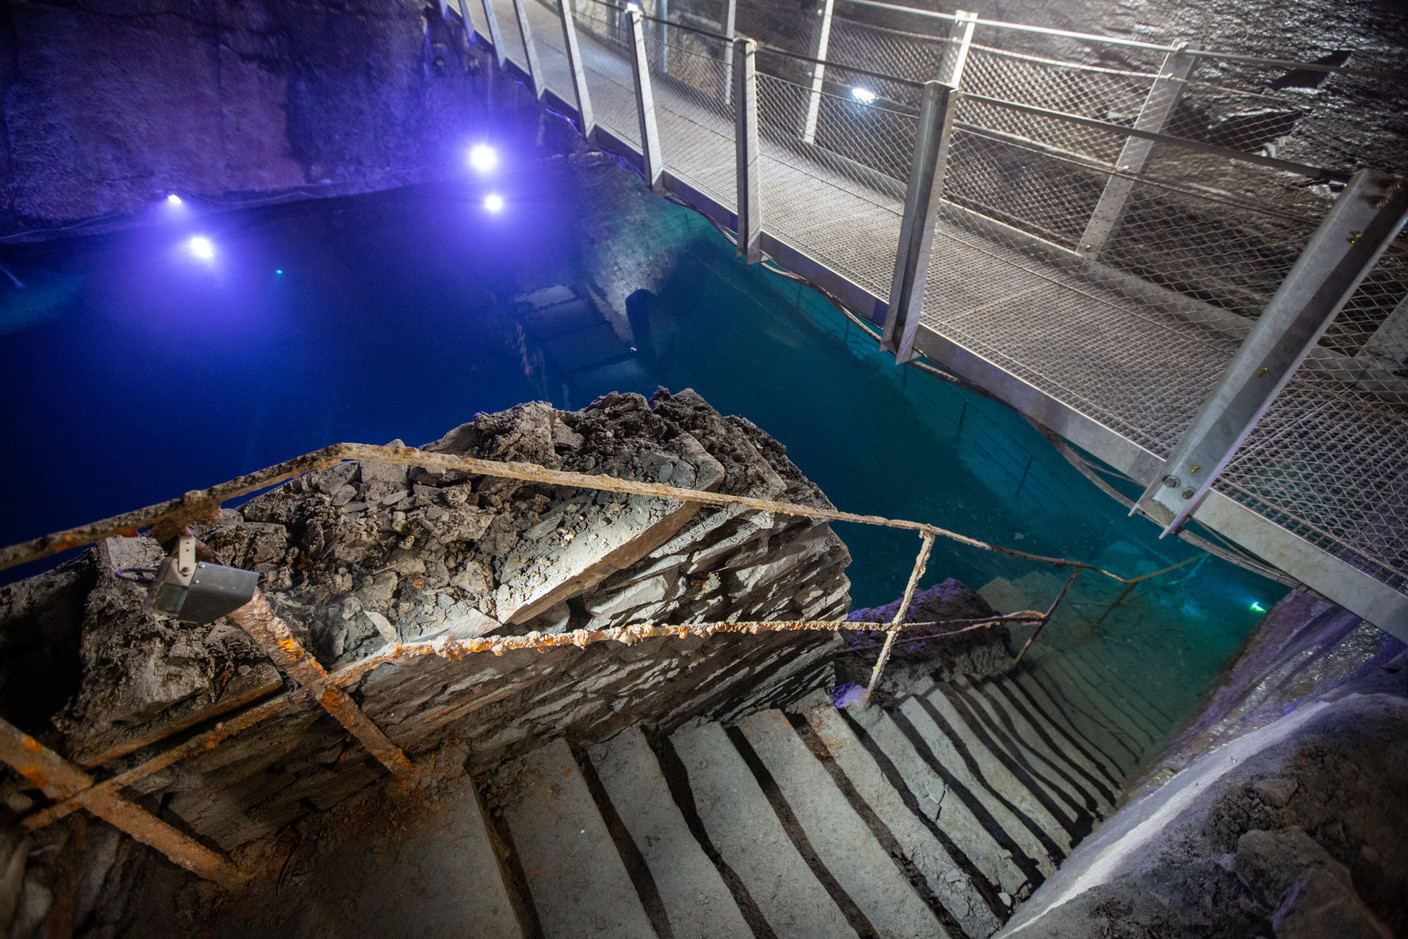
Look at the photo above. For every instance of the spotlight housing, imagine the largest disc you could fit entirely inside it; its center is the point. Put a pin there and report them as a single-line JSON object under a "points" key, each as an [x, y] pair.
{"points": [[484, 158]]}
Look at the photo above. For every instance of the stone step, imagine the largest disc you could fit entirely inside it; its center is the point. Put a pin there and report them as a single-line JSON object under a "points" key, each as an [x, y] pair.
{"points": [[1001, 775], [1032, 849], [1114, 755], [1117, 690], [576, 879], [1018, 690], [686, 881], [1083, 701], [956, 885], [999, 861], [1041, 737], [1075, 781], [1067, 802], [838, 837], [748, 835]]}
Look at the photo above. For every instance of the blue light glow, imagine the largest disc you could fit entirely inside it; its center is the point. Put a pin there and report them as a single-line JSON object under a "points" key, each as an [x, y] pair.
{"points": [[484, 158], [173, 199], [493, 202], [1256, 607], [864, 95], [279, 271], [201, 248]]}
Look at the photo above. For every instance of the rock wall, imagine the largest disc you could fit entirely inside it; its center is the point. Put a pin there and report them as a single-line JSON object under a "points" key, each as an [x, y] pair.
{"points": [[357, 557], [107, 107], [1277, 811]]}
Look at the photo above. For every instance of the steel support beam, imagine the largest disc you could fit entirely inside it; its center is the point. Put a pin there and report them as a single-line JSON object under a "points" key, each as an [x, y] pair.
{"points": [[960, 41], [496, 38], [645, 108], [821, 41], [579, 72], [278, 642], [745, 114], [468, 22], [921, 212], [729, 27], [530, 49], [662, 34], [60, 779], [1359, 226], [1153, 115]]}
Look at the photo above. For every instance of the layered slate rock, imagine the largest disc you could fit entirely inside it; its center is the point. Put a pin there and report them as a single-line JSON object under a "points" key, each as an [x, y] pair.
{"points": [[360, 557]]}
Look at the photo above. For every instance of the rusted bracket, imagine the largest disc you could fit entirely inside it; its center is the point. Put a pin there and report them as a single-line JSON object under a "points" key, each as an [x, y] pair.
{"points": [[921, 562], [1051, 610], [60, 779], [259, 620]]}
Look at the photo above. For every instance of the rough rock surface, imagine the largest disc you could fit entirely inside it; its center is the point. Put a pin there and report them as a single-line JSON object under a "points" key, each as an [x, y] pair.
{"points": [[357, 557], [108, 107], [915, 662], [1278, 811]]}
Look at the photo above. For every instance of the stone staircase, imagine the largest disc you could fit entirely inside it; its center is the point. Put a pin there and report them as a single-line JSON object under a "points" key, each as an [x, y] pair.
{"points": [[930, 818]]}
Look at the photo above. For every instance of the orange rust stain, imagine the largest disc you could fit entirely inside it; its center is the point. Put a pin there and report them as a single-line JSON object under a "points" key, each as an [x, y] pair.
{"points": [[32, 745]]}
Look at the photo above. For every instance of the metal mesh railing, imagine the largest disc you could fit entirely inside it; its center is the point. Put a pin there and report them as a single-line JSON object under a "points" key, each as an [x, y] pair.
{"points": [[808, 189], [1116, 272]]}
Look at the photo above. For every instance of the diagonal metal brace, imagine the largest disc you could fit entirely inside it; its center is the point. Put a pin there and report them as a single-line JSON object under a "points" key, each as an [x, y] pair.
{"points": [[273, 635], [1368, 215], [60, 779]]}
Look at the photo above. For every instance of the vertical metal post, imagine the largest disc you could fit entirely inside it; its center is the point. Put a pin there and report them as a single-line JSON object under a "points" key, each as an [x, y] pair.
{"points": [[921, 210], [645, 108], [530, 49], [1389, 344], [579, 73], [821, 40], [729, 26], [1157, 108], [496, 38], [662, 34], [1367, 216], [745, 113], [960, 41]]}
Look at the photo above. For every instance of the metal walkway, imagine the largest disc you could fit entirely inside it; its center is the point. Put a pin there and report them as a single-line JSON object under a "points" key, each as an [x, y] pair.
{"points": [[1126, 275]]}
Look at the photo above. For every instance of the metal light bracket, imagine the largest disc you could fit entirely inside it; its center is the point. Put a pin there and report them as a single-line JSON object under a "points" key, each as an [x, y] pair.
{"points": [[195, 591]]}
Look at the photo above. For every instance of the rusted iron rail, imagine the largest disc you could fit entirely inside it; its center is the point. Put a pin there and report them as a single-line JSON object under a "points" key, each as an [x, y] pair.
{"points": [[922, 561], [265, 627], [1050, 611], [206, 741], [202, 506], [60, 779]]}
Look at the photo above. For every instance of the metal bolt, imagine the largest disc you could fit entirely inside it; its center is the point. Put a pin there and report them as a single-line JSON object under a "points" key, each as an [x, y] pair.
{"points": [[1188, 493], [1171, 482], [1261, 372], [1195, 468], [1354, 236]]}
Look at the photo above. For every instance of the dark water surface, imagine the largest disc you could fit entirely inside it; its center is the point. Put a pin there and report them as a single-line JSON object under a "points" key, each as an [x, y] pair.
{"points": [[133, 370]]}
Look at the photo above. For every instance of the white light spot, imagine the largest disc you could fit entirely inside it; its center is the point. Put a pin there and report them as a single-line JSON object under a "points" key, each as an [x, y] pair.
{"points": [[633, 7], [864, 95], [173, 199], [483, 158], [201, 248], [493, 202]]}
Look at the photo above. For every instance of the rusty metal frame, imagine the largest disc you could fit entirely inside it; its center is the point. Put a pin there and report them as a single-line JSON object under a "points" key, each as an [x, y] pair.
{"points": [[60, 779], [258, 619]]}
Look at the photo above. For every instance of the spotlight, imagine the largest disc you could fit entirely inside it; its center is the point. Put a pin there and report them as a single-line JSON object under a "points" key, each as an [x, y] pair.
{"points": [[197, 592], [493, 202], [864, 95], [1256, 607], [201, 248], [483, 158], [173, 199], [633, 7]]}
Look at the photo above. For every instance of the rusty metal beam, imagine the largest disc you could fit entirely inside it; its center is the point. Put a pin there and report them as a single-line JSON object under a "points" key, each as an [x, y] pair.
{"points": [[205, 504], [265, 627], [922, 561], [206, 741], [60, 779]]}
